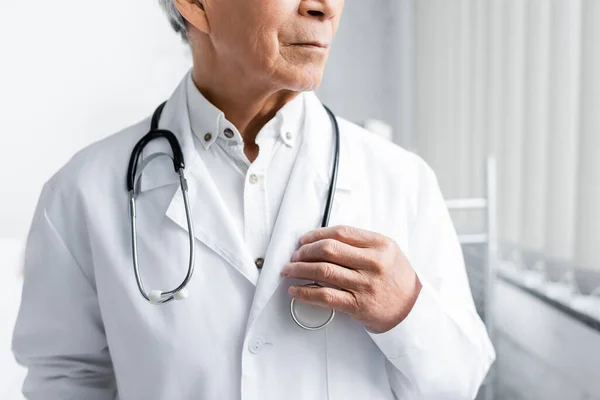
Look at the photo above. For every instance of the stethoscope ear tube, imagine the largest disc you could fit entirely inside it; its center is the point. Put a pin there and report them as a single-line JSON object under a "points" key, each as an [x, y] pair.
{"points": [[336, 167], [155, 133]]}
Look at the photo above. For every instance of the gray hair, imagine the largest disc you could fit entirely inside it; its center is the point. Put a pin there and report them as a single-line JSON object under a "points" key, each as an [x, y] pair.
{"points": [[175, 18]]}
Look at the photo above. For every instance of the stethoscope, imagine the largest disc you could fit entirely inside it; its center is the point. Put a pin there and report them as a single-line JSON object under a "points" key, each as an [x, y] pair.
{"points": [[134, 172]]}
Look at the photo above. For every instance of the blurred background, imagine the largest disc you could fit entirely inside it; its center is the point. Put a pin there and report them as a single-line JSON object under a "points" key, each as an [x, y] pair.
{"points": [[501, 97]]}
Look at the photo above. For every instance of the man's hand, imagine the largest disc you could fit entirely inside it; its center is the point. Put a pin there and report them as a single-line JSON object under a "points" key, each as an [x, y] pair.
{"points": [[366, 276]]}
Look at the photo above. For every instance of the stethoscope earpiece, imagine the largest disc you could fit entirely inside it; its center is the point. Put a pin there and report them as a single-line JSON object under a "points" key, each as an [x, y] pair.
{"points": [[155, 296], [181, 295]]}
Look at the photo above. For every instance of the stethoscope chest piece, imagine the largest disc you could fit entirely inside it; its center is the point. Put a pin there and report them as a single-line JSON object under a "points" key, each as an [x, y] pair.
{"points": [[309, 317]]}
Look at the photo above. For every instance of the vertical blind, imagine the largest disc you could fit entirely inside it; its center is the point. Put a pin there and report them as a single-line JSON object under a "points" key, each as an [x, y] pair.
{"points": [[519, 80]]}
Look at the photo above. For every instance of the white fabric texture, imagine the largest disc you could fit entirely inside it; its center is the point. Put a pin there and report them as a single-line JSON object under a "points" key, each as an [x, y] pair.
{"points": [[253, 205]]}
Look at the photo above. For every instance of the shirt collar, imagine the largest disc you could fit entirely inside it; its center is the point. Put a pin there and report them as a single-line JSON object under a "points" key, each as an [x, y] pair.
{"points": [[208, 123], [206, 120], [290, 118]]}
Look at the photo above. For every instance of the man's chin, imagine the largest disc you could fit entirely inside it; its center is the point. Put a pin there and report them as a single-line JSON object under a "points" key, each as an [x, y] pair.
{"points": [[306, 80]]}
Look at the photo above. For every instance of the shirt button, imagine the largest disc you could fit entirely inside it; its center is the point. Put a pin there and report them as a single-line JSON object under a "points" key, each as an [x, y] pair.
{"points": [[288, 136], [255, 345], [253, 179], [207, 137], [259, 263], [228, 133]]}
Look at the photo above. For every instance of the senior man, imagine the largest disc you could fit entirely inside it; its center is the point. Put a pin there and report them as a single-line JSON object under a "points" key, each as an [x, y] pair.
{"points": [[383, 277]]}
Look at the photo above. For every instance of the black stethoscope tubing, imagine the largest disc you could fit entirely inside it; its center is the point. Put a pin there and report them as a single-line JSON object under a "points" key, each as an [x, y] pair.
{"points": [[158, 297]]}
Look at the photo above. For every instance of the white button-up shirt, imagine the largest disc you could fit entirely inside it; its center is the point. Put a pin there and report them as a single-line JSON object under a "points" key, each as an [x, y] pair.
{"points": [[252, 192]]}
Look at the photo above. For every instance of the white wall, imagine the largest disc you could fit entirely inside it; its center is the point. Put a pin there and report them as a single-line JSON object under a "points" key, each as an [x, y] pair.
{"points": [[366, 76], [70, 75]]}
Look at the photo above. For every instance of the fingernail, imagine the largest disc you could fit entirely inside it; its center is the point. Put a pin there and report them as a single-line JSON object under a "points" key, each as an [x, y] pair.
{"points": [[295, 255], [292, 290]]}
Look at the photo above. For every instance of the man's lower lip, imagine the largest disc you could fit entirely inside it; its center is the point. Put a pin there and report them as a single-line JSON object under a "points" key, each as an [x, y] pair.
{"points": [[310, 46]]}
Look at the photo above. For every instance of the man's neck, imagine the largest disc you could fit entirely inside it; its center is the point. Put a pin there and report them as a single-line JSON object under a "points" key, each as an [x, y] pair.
{"points": [[246, 106]]}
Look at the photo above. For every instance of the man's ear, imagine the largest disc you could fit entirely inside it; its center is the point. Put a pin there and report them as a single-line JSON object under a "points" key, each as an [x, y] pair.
{"points": [[194, 13]]}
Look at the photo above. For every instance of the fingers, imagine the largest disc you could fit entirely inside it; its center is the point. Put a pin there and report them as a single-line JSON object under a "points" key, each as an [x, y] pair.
{"points": [[345, 234], [326, 273], [335, 252], [325, 297]]}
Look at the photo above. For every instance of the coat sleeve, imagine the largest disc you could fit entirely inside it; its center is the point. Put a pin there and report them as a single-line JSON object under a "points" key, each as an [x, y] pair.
{"points": [[59, 334], [441, 350]]}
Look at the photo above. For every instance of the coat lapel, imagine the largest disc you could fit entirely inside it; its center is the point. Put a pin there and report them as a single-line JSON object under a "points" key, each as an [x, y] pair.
{"points": [[213, 224], [304, 200]]}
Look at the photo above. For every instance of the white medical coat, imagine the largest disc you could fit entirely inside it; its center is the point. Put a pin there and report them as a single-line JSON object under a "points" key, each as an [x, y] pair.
{"points": [[85, 332]]}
